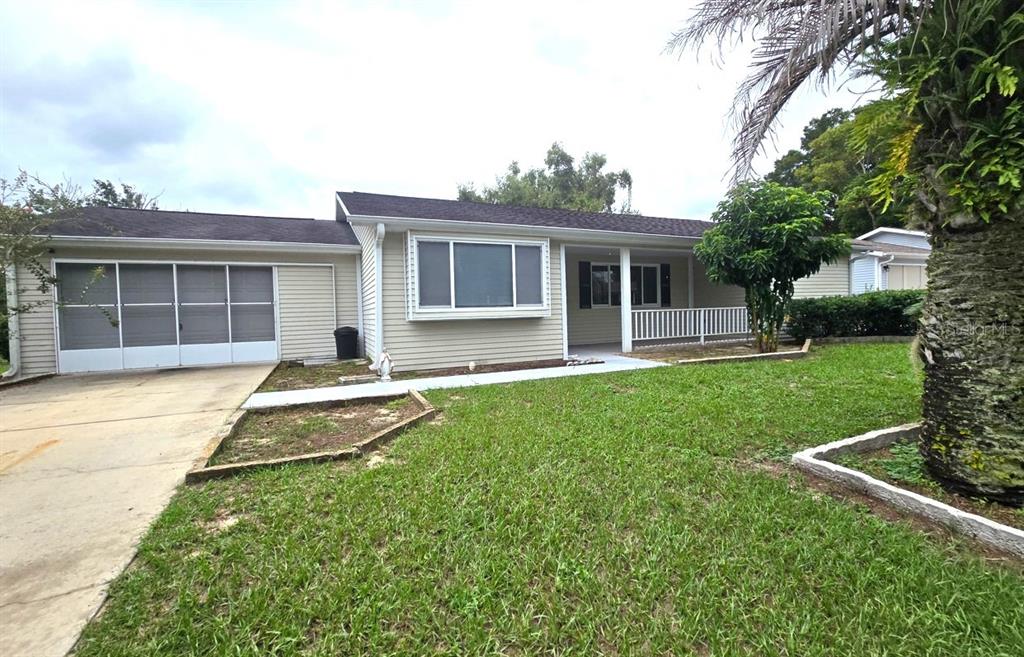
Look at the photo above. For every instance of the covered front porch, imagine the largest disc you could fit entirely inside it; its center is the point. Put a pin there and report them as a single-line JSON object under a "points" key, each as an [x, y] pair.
{"points": [[670, 299]]}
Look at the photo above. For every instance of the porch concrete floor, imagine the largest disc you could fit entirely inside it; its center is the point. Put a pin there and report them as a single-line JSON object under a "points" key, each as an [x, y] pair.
{"points": [[613, 362]]}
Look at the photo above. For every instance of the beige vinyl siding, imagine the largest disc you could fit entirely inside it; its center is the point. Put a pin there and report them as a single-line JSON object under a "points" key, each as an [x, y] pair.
{"points": [[420, 345], [38, 347], [367, 240], [713, 295], [832, 279], [306, 311], [906, 277], [603, 324], [35, 326]]}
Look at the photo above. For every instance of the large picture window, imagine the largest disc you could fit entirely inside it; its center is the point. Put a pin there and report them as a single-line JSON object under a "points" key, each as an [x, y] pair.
{"points": [[465, 278]]}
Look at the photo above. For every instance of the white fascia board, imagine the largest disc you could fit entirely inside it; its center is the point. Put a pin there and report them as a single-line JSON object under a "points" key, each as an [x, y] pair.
{"points": [[208, 245], [897, 231], [481, 227]]}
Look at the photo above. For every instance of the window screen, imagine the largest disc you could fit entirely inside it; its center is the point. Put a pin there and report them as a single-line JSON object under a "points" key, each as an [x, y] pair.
{"points": [[203, 324], [251, 284], [253, 323], [202, 284], [88, 327], [528, 275], [147, 284], [483, 275], [148, 326], [80, 283], [434, 274]]}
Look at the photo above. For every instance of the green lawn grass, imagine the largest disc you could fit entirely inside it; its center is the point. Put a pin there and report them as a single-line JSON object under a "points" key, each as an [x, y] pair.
{"points": [[613, 514]]}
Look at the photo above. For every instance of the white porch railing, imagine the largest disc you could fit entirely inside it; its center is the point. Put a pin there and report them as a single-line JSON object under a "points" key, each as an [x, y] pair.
{"points": [[701, 323]]}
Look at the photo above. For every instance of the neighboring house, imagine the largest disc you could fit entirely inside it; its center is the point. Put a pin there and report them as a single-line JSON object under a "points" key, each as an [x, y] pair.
{"points": [[437, 283], [882, 259]]}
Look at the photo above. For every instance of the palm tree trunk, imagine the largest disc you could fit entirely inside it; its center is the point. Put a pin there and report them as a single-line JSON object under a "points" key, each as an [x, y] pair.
{"points": [[972, 340]]}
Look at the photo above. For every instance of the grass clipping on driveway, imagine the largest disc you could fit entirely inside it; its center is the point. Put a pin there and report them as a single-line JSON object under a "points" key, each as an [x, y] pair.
{"points": [[631, 513], [308, 429]]}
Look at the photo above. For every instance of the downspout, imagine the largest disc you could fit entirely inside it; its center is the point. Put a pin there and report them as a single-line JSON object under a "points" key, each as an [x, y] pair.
{"points": [[14, 344], [881, 266], [378, 291]]}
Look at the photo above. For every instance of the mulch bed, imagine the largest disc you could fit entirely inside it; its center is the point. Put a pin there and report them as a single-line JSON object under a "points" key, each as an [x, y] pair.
{"points": [[687, 352], [900, 465], [294, 376], [293, 431], [482, 369]]}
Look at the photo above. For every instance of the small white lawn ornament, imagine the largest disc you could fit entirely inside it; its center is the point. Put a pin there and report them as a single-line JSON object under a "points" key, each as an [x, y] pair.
{"points": [[384, 366]]}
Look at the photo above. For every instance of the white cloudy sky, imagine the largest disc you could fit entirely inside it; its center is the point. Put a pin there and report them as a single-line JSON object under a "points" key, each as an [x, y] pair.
{"points": [[269, 107]]}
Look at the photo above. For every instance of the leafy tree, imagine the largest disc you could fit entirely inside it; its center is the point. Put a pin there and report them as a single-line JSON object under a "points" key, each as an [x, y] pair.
{"points": [[785, 171], [27, 208], [951, 70], [767, 237], [106, 194], [833, 158], [560, 184]]}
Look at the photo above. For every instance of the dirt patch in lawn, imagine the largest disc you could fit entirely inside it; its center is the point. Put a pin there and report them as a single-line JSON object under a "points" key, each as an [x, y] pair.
{"points": [[900, 464], [292, 431], [295, 376], [695, 352], [482, 369]]}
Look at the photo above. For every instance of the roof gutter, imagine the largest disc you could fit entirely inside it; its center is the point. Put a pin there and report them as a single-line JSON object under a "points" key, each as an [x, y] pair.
{"points": [[13, 342], [608, 236], [209, 245]]}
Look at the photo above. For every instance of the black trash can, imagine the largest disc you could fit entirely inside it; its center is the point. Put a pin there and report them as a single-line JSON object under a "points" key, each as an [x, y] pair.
{"points": [[345, 342]]}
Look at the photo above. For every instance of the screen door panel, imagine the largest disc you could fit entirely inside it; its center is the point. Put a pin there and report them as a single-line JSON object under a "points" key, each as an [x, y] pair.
{"points": [[88, 335]]}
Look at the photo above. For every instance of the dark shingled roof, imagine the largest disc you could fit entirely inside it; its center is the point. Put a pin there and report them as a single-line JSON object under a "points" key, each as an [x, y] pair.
{"points": [[171, 225], [407, 207]]}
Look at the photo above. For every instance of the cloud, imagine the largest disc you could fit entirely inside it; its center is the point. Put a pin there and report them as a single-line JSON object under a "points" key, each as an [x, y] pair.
{"points": [[101, 103], [270, 107]]}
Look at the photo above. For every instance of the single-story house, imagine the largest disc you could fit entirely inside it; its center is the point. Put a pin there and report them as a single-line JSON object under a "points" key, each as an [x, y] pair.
{"points": [[438, 283], [882, 259]]}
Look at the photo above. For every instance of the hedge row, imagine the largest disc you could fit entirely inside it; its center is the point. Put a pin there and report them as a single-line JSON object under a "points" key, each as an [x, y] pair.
{"points": [[871, 313]]}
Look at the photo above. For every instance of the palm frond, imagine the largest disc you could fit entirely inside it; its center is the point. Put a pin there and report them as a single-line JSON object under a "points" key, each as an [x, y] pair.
{"points": [[796, 40]]}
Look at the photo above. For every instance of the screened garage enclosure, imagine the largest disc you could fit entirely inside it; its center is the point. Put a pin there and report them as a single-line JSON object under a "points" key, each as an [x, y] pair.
{"points": [[125, 315]]}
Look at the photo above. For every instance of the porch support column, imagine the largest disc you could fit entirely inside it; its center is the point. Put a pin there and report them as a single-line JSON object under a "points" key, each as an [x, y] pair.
{"points": [[627, 300]]}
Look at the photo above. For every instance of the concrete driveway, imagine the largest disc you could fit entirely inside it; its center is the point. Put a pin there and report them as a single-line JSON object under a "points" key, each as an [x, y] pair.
{"points": [[86, 464]]}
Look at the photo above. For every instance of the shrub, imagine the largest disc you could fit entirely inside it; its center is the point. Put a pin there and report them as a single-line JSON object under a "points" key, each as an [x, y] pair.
{"points": [[871, 313]]}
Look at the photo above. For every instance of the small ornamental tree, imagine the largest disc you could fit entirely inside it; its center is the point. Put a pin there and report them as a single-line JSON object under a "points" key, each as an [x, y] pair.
{"points": [[766, 237]]}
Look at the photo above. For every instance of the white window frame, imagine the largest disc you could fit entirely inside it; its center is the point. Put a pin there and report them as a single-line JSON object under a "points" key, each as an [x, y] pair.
{"points": [[640, 279], [594, 304], [415, 312]]}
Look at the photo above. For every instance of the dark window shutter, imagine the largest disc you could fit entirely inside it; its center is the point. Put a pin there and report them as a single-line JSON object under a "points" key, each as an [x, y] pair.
{"points": [[616, 285], [666, 286], [584, 284]]}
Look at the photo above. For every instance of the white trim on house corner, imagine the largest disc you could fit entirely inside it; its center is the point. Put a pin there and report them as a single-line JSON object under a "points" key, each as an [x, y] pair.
{"points": [[898, 231], [607, 236], [414, 312], [225, 245], [378, 291], [565, 306]]}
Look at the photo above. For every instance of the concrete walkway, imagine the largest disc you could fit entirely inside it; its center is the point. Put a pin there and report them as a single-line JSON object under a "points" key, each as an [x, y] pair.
{"points": [[86, 464], [612, 363]]}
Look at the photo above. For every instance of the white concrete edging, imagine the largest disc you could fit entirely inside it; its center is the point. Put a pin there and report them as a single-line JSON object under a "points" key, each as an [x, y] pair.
{"points": [[813, 461]]}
